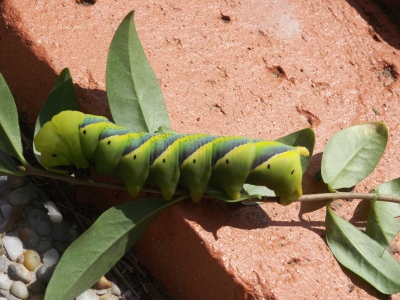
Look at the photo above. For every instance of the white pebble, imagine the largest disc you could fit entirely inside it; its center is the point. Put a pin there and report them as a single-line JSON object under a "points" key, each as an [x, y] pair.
{"points": [[18, 289], [3, 180], [115, 289], [51, 257], [6, 210], [88, 295], [5, 282], [13, 246], [54, 213], [3, 263]]}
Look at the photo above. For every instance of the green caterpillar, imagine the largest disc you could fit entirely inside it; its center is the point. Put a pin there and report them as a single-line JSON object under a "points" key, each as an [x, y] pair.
{"points": [[194, 161]]}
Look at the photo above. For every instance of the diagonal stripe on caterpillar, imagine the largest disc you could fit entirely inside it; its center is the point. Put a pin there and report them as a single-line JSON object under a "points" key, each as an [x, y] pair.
{"points": [[194, 161]]}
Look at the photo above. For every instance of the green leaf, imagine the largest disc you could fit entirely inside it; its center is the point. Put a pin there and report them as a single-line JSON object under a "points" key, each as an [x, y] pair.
{"points": [[163, 129], [352, 154], [256, 190], [361, 254], [10, 138], [7, 170], [390, 188], [134, 94], [382, 224], [62, 97], [219, 194], [101, 246], [303, 138]]}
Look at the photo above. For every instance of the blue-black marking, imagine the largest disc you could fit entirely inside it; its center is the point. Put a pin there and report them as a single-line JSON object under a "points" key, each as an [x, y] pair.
{"points": [[136, 142], [192, 145], [268, 153], [162, 145], [112, 131], [93, 120], [221, 148]]}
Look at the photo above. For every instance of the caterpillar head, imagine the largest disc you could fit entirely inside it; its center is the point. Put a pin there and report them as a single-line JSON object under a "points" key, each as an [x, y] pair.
{"points": [[282, 173], [59, 143], [289, 177]]}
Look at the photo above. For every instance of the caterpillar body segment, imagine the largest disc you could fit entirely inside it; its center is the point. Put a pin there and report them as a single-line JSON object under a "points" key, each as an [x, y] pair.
{"points": [[167, 160]]}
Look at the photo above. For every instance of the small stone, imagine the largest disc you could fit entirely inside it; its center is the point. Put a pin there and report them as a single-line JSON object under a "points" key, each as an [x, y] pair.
{"points": [[102, 284], [31, 259], [29, 237], [18, 289], [127, 294], [13, 246], [38, 296], [17, 183], [115, 289], [44, 227], [108, 296], [87, 295], [44, 246], [3, 181], [44, 273], [36, 216], [60, 246], [20, 259], [6, 210], [22, 197], [3, 263], [5, 282], [17, 217], [36, 287], [3, 186], [19, 272], [60, 231], [51, 257], [54, 212], [101, 292], [72, 234]]}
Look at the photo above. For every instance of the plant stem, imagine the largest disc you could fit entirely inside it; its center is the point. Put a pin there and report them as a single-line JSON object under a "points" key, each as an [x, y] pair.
{"points": [[29, 170], [335, 196]]}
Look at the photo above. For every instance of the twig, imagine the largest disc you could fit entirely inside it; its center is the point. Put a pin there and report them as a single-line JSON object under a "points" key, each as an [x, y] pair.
{"points": [[31, 171], [305, 198], [334, 196], [120, 277]]}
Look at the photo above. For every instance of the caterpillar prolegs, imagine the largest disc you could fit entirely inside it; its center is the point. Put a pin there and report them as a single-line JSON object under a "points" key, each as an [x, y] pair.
{"points": [[167, 160]]}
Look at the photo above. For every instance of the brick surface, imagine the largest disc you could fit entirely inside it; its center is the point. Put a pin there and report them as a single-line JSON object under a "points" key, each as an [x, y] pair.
{"points": [[256, 68]]}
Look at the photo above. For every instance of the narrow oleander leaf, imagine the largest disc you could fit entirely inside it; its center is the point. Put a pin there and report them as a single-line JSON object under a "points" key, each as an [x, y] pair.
{"points": [[134, 94], [101, 246], [62, 97], [164, 129], [361, 254], [10, 138], [352, 154], [6, 169]]}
